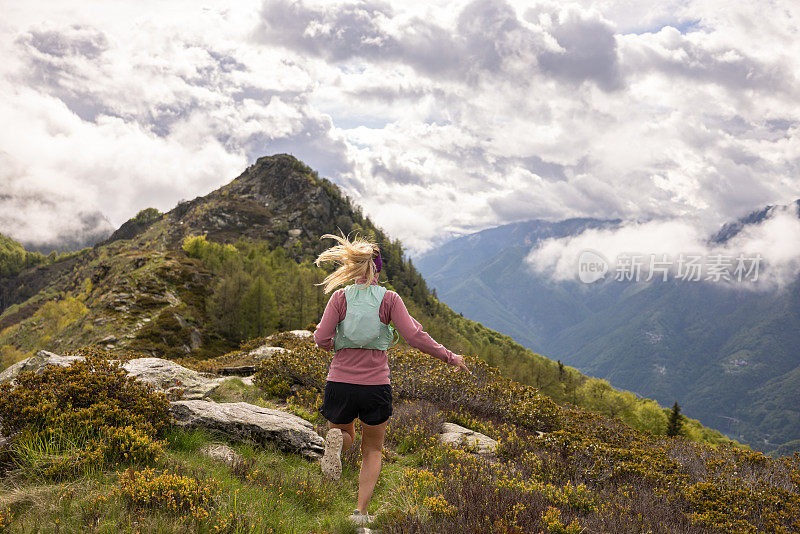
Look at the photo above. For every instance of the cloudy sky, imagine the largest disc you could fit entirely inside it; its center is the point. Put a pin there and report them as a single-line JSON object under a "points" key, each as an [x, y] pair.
{"points": [[439, 118]]}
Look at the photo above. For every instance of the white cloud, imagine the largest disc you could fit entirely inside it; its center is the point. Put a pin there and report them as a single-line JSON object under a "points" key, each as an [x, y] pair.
{"points": [[457, 114], [775, 241]]}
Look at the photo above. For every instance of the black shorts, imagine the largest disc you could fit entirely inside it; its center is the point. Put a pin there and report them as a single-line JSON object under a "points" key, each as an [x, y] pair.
{"points": [[343, 402]]}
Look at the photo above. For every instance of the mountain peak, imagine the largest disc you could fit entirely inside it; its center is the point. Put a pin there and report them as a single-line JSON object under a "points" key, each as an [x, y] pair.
{"points": [[278, 199], [279, 176], [731, 229]]}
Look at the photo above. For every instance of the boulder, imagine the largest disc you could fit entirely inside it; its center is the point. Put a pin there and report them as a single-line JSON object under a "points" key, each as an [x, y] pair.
{"points": [[265, 352], [453, 434], [248, 380], [165, 375], [36, 363], [244, 421], [221, 452], [302, 333], [168, 376]]}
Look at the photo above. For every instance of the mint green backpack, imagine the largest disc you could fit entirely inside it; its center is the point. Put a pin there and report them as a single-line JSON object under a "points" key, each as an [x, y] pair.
{"points": [[362, 327]]}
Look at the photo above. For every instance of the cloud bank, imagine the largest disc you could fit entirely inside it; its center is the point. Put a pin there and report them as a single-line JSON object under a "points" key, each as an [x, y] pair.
{"points": [[665, 249], [438, 118]]}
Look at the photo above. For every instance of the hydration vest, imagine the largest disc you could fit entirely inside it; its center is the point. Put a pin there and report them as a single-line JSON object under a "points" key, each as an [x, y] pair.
{"points": [[361, 327]]}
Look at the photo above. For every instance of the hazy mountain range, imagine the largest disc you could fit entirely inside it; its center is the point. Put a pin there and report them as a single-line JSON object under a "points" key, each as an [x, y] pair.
{"points": [[730, 357]]}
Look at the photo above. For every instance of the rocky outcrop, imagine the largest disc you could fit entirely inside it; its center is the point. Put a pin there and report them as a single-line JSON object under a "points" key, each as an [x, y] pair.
{"points": [[36, 363], [169, 377], [454, 434], [164, 375], [302, 333], [244, 421], [248, 380], [265, 352], [246, 364], [221, 452]]}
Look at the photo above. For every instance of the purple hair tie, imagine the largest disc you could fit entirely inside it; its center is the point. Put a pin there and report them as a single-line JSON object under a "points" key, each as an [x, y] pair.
{"points": [[378, 262]]}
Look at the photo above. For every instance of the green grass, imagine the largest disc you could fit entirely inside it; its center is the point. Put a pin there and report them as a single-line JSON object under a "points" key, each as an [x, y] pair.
{"points": [[234, 390], [296, 498], [269, 491]]}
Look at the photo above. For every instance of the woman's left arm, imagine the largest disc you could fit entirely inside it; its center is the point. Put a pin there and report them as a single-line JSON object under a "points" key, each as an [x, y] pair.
{"points": [[334, 312]]}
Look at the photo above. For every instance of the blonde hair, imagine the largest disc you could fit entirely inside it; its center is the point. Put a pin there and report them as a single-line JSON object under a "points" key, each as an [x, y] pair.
{"points": [[354, 257]]}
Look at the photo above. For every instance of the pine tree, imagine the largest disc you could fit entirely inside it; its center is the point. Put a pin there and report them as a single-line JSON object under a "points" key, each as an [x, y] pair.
{"points": [[224, 306], [260, 312], [675, 421]]}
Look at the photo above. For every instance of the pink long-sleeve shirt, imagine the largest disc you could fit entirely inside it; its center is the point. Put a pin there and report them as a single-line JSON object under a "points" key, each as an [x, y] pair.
{"points": [[371, 366]]}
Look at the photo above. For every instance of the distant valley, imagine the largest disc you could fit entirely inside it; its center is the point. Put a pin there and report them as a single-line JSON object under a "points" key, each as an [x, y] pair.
{"points": [[730, 358]]}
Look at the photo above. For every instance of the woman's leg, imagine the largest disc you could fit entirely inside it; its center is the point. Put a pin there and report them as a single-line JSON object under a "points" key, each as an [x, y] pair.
{"points": [[348, 433], [371, 448]]}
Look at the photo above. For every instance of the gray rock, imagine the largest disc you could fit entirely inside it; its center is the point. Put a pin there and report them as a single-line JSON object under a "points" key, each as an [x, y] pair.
{"points": [[220, 451], [164, 375], [265, 352], [453, 434], [248, 380], [180, 320], [168, 376], [302, 333], [36, 363], [195, 339], [241, 420]]}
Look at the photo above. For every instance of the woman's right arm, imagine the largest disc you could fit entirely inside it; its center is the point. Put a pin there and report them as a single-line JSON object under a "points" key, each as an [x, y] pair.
{"points": [[326, 329], [416, 337]]}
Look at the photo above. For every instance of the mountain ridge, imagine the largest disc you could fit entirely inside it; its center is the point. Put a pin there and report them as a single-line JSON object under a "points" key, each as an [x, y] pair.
{"points": [[169, 285]]}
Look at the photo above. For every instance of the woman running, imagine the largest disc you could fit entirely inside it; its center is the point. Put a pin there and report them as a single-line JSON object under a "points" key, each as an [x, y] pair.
{"points": [[355, 324]]}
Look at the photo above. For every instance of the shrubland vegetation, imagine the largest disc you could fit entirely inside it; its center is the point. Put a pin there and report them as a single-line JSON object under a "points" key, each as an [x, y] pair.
{"points": [[90, 450], [201, 298], [555, 469], [67, 421], [575, 454]]}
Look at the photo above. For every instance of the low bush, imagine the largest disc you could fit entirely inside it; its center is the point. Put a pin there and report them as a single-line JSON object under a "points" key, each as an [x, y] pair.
{"points": [[556, 469], [411, 424], [414, 375], [64, 421], [166, 492]]}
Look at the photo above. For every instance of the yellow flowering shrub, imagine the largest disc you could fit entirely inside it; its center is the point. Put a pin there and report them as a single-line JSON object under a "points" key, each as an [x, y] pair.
{"points": [[414, 375], [67, 420], [412, 424], [556, 469], [422, 489], [553, 525], [151, 489], [5, 518]]}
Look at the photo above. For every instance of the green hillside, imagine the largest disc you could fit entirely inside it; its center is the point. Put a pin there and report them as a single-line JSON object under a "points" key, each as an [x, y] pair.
{"points": [[237, 263], [95, 451]]}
